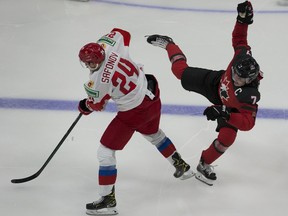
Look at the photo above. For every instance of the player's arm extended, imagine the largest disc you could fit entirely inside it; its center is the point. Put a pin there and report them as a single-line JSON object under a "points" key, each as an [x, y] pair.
{"points": [[244, 18], [239, 35]]}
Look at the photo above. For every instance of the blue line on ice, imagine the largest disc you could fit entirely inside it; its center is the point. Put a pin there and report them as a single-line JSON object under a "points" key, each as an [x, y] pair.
{"points": [[172, 109]]}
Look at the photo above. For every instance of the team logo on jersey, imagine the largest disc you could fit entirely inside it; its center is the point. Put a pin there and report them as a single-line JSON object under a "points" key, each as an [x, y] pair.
{"points": [[90, 92], [90, 84], [224, 89], [107, 40], [103, 45]]}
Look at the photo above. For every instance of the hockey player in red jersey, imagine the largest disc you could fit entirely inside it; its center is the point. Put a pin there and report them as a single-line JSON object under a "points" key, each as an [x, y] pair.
{"points": [[233, 92], [113, 75]]}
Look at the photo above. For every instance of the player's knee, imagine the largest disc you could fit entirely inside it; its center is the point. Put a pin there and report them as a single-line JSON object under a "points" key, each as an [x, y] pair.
{"points": [[227, 136], [156, 138], [106, 156], [219, 146]]}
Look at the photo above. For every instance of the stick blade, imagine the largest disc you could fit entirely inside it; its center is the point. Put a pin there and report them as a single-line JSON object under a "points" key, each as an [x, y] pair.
{"points": [[22, 180]]}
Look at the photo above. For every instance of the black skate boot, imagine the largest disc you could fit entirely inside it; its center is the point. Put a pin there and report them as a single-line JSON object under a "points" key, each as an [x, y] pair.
{"points": [[159, 40], [182, 168], [104, 206], [205, 173]]}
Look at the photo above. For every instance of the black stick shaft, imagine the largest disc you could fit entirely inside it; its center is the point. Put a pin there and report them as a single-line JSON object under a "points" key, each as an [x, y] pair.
{"points": [[35, 175]]}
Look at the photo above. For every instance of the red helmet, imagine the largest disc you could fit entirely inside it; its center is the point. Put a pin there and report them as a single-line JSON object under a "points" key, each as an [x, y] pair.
{"points": [[92, 53]]}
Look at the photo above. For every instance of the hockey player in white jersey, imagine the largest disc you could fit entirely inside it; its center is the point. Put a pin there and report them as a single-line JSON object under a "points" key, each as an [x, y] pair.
{"points": [[113, 75]]}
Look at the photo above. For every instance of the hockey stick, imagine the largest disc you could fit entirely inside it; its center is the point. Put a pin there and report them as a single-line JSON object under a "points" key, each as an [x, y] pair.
{"points": [[35, 175]]}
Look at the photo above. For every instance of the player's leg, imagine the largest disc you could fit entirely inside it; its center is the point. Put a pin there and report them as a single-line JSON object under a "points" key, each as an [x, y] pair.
{"points": [[205, 170], [168, 150], [115, 137], [106, 205], [149, 128]]}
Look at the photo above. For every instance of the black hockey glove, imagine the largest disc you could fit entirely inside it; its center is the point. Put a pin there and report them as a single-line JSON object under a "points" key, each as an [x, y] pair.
{"points": [[83, 107], [245, 13], [216, 111], [159, 40]]}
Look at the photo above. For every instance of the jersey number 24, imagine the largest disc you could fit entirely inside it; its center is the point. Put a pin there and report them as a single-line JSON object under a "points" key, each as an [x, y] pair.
{"points": [[119, 78]]}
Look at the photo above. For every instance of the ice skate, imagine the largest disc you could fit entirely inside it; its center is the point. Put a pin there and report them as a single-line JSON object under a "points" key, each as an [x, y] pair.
{"points": [[159, 40], [205, 173], [183, 171], [104, 206]]}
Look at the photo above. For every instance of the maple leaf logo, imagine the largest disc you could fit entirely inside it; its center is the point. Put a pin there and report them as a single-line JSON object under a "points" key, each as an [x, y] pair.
{"points": [[224, 89]]}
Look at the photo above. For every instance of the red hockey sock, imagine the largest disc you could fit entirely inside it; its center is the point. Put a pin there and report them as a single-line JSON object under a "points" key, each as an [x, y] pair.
{"points": [[210, 155], [178, 60]]}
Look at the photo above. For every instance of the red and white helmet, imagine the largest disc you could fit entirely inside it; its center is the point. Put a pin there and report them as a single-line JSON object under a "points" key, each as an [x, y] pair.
{"points": [[92, 53]]}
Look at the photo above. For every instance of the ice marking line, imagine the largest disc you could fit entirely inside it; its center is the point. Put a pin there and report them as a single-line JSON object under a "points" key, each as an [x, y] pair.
{"points": [[201, 10], [171, 109]]}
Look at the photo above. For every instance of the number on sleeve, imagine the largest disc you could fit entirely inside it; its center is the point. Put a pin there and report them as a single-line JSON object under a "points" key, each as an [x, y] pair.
{"points": [[254, 99]]}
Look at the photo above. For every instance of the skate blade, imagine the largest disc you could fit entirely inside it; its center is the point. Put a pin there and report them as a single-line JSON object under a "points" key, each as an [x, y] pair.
{"points": [[187, 175], [203, 179], [104, 211]]}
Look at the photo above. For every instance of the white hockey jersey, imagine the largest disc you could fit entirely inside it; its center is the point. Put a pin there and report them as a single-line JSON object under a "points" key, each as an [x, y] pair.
{"points": [[118, 78]]}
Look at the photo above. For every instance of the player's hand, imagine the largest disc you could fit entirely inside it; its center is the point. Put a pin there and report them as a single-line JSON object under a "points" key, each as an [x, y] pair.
{"points": [[245, 13], [84, 108], [216, 111]]}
